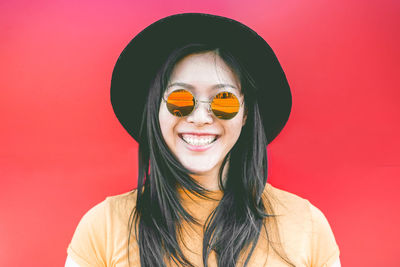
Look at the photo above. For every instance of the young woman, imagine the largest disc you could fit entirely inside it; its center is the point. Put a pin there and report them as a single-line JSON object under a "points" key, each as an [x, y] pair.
{"points": [[203, 95]]}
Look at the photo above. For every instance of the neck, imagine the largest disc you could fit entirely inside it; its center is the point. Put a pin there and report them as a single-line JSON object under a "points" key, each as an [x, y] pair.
{"points": [[210, 180]]}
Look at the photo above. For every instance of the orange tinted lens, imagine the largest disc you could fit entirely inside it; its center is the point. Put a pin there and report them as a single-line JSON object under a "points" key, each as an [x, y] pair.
{"points": [[180, 103], [225, 105]]}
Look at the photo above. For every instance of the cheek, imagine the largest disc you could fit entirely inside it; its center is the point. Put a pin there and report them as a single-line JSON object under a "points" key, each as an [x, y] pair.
{"points": [[238, 123], [167, 125], [235, 128]]}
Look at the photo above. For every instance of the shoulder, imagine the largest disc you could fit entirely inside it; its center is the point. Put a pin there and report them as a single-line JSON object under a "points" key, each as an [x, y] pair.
{"points": [[284, 202], [292, 214], [121, 205], [291, 208], [303, 227], [100, 228], [116, 206]]}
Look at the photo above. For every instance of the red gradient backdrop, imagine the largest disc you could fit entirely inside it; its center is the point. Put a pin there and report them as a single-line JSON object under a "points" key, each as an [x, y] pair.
{"points": [[63, 150]]}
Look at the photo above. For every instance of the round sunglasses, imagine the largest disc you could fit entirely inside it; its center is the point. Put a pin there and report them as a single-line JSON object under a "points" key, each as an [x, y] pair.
{"points": [[225, 105]]}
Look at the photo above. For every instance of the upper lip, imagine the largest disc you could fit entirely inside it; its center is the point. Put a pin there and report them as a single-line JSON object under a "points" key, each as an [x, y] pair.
{"points": [[198, 133]]}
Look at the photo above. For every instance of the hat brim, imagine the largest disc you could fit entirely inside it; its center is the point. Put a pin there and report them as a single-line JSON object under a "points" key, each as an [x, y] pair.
{"points": [[148, 50]]}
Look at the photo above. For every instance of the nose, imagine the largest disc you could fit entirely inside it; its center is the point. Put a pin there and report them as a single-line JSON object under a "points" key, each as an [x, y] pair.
{"points": [[201, 114]]}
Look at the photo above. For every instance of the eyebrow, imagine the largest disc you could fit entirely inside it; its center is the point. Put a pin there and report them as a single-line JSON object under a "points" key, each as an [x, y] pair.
{"points": [[216, 86]]}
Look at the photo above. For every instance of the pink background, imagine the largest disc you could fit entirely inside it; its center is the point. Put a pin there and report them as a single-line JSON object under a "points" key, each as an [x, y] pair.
{"points": [[63, 150]]}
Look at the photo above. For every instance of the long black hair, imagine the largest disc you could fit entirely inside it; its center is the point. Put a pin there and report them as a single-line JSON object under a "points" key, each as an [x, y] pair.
{"points": [[235, 224]]}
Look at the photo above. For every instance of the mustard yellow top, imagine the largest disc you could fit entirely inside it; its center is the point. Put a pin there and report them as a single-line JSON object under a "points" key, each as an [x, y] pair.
{"points": [[305, 235]]}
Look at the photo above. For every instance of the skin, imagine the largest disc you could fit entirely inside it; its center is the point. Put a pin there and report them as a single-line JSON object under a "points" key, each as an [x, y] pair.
{"points": [[202, 72]]}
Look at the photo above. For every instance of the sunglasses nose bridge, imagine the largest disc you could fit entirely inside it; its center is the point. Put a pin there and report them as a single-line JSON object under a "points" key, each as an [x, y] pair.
{"points": [[208, 103]]}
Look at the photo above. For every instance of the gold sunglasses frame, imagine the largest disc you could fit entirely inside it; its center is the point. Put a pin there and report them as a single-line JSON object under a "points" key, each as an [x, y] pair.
{"points": [[196, 101]]}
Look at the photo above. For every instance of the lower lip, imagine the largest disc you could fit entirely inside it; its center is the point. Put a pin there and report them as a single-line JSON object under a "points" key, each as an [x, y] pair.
{"points": [[198, 148]]}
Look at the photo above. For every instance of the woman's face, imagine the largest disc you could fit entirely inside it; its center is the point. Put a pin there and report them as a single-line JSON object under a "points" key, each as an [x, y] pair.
{"points": [[200, 141]]}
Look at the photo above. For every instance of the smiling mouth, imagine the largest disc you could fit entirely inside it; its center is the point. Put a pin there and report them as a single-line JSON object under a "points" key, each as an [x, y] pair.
{"points": [[196, 140]]}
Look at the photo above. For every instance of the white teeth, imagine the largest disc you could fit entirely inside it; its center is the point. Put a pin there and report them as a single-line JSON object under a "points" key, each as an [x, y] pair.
{"points": [[198, 140]]}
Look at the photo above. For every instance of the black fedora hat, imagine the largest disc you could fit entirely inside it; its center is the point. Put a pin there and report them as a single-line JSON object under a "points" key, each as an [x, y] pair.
{"points": [[147, 51]]}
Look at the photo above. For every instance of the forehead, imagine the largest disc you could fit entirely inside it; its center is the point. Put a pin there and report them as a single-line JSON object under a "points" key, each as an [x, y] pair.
{"points": [[203, 72]]}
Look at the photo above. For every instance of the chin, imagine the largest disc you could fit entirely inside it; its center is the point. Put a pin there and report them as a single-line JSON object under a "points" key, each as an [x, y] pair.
{"points": [[199, 167], [199, 170]]}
